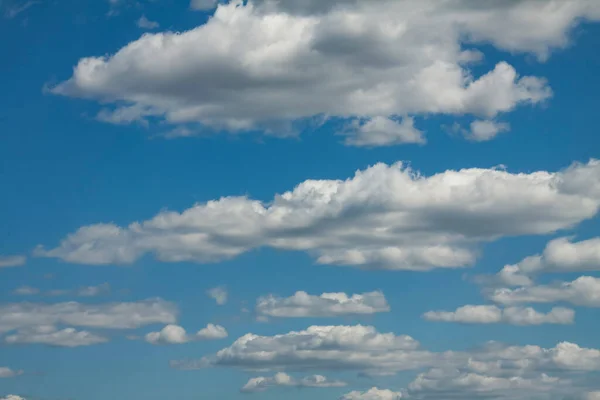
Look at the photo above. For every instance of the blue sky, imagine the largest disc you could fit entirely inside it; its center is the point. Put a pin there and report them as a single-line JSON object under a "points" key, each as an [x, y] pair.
{"points": [[233, 149]]}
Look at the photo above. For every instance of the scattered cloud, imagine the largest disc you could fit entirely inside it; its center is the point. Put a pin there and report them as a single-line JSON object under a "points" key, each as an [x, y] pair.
{"points": [[583, 291], [485, 130], [493, 315], [385, 217], [26, 291], [109, 315], [12, 261], [382, 131], [261, 383], [12, 397], [174, 334], [50, 335], [145, 23], [6, 372], [373, 394], [301, 304], [18, 8], [219, 294]]}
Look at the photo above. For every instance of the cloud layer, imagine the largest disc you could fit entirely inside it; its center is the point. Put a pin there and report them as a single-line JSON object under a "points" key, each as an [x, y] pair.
{"points": [[281, 379], [493, 315]]}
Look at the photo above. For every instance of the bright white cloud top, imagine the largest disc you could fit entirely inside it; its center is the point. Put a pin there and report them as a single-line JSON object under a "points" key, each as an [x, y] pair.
{"points": [[471, 314], [281, 379], [175, 334]]}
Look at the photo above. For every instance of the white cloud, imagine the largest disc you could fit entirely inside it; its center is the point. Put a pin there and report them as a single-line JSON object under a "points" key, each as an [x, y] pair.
{"points": [[12, 397], [484, 130], [18, 7], [382, 131], [386, 217], [301, 304], [583, 291], [262, 383], [86, 291], [493, 315], [26, 291], [12, 261], [277, 62], [219, 294], [373, 394], [560, 255], [110, 315], [175, 334], [203, 5], [50, 335], [6, 372], [145, 23]]}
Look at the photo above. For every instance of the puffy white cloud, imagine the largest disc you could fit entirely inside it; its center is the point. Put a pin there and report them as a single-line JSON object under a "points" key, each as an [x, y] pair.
{"points": [[12, 261], [219, 294], [50, 335], [559, 255], [387, 217], [276, 62], [145, 23], [372, 394], [12, 397], [175, 334], [382, 131], [301, 304], [109, 315], [6, 372], [583, 291], [262, 383], [493, 315], [484, 130]]}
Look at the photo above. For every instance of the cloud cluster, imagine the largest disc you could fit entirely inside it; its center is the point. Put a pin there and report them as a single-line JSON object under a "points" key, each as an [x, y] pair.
{"points": [[279, 62], [175, 334], [12, 261], [281, 379], [493, 315], [12, 397], [302, 304], [386, 217]]}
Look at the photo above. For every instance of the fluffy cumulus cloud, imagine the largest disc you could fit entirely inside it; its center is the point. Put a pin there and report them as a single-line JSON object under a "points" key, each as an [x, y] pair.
{"points": [[175, 334], [218, 294], [372, 394], [50, 335], [583, 291], [302, 304], [281, 379], [109, 315], [280, 62], [6, 372], [512, 315], [12, 261], [559, 255], [382, 131], [386, 217]]}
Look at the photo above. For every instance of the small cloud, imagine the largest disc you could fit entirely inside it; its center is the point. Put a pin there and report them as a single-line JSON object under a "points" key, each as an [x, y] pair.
{"points": [[482, 130], [15, 10], [219, 294], [12, 261], [145, 23], [203, 5], [175, 334], [382, 131], [26, 291]]}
